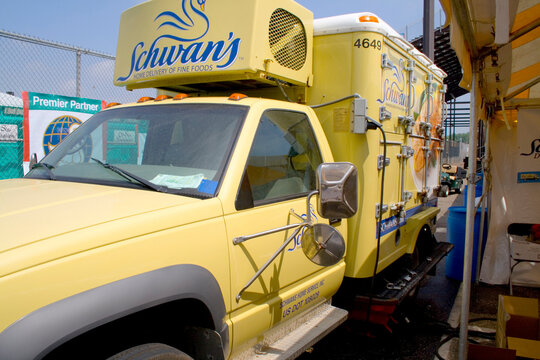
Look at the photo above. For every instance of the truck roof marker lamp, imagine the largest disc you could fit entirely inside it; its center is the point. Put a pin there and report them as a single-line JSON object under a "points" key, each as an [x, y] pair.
{"points": [[237, 97], [180, 96], [111, 104], [163, 97], [368, 18], [145, 99]]}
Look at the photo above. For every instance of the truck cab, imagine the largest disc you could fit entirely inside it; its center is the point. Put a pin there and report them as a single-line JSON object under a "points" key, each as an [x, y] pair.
{"points": [[170, 185]]}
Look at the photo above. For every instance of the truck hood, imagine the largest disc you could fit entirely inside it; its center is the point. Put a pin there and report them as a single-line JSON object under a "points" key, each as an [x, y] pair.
{"points": [[35, 210]]}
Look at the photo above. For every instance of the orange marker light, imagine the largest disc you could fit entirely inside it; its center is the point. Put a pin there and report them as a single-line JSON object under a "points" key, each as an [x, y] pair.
{"points": [[180, 96], [145, 98], [368, 18], [163, 97], [237, 96], [111, 104]]}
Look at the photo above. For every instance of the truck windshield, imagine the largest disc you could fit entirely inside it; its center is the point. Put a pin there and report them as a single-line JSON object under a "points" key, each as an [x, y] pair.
{"points": [[180, 148]]}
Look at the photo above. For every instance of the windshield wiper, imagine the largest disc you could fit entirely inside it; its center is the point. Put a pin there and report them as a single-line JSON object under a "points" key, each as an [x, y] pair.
{"points": [[130, 176], [48, 169]]}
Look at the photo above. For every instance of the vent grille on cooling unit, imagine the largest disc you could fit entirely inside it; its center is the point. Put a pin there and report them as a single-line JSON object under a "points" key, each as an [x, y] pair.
{"points": [[287, 39]]}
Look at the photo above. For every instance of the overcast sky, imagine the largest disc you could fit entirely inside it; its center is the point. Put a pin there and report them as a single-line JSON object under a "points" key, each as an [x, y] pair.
{"points": [[94, 24]]}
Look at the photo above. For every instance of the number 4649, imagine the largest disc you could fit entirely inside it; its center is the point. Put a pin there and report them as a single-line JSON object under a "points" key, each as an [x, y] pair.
{"points": [[367, 43]]}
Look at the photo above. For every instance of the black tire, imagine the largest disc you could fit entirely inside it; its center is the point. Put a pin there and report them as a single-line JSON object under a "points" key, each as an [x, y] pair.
{"points": [[445, 190], [458, 190], [410, 298], [422, 249], [152, 351]]}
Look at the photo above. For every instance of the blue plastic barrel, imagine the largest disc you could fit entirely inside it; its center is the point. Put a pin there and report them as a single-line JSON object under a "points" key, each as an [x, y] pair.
{"points": [[455, 233], [477, 191]]}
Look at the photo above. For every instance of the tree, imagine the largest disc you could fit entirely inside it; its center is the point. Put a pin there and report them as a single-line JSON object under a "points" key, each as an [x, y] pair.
{"points": [[464, 138]]}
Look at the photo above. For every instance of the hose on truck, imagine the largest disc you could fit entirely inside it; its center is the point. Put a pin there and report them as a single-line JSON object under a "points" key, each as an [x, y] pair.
{"points": [[373, 124]]}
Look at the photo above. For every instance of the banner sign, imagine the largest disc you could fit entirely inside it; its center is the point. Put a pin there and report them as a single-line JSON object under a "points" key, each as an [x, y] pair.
{"points": [[48, 119], [528, 137]]}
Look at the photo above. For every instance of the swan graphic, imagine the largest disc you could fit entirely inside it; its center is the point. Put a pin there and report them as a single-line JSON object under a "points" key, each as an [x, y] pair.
{"points": [[192, 23], [187, 25]]}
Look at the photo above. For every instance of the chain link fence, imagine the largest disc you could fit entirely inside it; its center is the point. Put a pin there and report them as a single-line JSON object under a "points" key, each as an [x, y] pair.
{"points": [[454, 152], [35, 65]]}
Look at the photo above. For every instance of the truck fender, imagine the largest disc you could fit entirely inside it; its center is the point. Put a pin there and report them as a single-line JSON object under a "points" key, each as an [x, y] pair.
{"points": [[416, 222], [38, 333]]}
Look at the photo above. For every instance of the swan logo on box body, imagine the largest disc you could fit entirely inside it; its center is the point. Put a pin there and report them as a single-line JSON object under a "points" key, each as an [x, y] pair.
{"points": [[394, 90], [189, 26]]}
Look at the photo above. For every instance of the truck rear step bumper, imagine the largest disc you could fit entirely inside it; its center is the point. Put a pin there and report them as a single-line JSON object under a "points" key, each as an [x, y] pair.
{"points": [[395, 286]]}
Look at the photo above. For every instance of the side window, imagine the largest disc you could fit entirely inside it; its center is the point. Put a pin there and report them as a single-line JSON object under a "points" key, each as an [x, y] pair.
{"points": [[282, 160]]}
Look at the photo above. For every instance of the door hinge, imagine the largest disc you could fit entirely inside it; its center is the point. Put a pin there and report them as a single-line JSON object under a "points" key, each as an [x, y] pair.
{"points": [[440, 131], [411, 64], [407, 195], [407, 122], [381, 161], [378, 209], [384, 114], [426, 128], [406, 152], [385, 62]]}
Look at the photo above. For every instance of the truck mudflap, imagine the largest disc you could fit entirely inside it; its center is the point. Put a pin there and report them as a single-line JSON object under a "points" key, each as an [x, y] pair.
{"points": [[394, 286]]}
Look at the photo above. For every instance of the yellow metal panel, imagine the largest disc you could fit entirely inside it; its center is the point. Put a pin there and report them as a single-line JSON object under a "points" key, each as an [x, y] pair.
{"points": [[350, 63], [167, 43], [290, 269], [122, 248], [250, 320], [57, 207], [260, 306]]}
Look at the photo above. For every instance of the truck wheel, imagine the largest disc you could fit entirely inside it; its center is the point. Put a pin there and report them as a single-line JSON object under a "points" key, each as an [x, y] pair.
{"points": [[422, 249], [445, 190], [152, 351], [458, 190]]}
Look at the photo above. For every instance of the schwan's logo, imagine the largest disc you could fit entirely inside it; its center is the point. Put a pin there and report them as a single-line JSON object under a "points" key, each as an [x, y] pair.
{"points": [[190, 30], [535, 149], [394, 88], [186, 30]]}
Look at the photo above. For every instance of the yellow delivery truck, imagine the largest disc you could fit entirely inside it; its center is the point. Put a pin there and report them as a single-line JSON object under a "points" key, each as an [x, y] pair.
{"points": [[284, 179]]}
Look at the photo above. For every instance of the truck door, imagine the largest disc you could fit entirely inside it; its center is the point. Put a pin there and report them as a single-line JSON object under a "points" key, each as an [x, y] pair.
{"points": [[278, 175]]}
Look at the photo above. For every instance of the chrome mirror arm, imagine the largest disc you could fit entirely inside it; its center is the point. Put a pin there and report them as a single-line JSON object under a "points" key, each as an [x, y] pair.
{"points": [[308, 206], [299, 226], [281, 248], [240, 239]]}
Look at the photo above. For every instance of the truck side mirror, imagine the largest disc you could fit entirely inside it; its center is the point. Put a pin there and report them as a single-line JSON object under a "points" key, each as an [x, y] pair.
{"points": [[323, 244], [338, 190], [33, 160]]}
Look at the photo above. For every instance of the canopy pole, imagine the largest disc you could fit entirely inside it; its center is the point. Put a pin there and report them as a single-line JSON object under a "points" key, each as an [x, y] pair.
{"points": [[485, 195], [469, 226]]}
